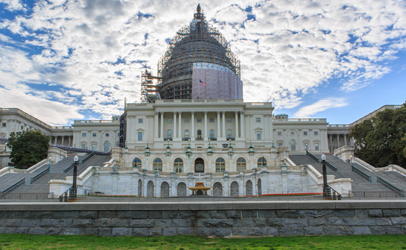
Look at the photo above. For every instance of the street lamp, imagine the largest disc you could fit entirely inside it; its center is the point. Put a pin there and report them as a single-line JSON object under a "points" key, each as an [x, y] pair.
{"points": [[49, 164], [75, 175], [325, 186]]}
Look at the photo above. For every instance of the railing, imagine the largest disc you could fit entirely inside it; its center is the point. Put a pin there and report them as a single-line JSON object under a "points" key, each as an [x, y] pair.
{"points": [[87, 158], [27, 196], [328, 164], [390, 186], [356, 170], [66, 195], [230, 138], [185, 138], [373, 194], [73, 164], [212, 138], [168, 139], [68, 168], [332, 194], [12, 187], [39, 175], [312, 156]]}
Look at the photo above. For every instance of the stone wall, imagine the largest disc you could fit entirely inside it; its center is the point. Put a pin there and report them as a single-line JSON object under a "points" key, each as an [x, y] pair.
{"points": [[218, 219]]}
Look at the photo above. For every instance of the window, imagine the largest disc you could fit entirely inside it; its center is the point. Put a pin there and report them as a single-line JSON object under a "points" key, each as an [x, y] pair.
{"points": [[292, 145], [107, 134], [4, 125], [140, 136], [106, 146], [279, 144], [21, 127], [94, 134], [137, 163], [305, 145], [187, 134], [258, 119], [279, 132], [187, 120], [258, 135], [169, 120], [83, 134], [261, 162], [241, 164], [211, 119], [228, 134], [304, 132], [140, 120], [199, 119], [220, 165], [169, 134], [292, 133], [316, 147], [316, 132], [228, 119], [199, 134], [83, 146], [211, 134], [178, 165], [157, 164]]}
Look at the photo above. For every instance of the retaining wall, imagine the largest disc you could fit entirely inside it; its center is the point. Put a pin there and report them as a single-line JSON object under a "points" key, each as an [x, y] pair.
{"points": [[220, 219]]}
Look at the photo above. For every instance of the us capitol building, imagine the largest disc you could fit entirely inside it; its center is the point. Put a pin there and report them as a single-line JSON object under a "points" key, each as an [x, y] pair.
{"points": [[193, 125]]}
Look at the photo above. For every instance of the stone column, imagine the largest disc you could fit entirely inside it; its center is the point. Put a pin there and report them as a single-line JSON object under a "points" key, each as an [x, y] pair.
{"points": [[242, 125], [224, 124], [70, 141], [174, 126], [180, 125], [218, 126], [252, 128], [162, 126], [236, 125], [156, 126], [270, 127], [331, 143], [205, 125], [63, 140], [338, 140], [193, 126], [345, 140]]}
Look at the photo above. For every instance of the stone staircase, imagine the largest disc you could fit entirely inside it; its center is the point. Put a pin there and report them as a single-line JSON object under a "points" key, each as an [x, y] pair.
{"points": [[56, 173], [344, 170]]}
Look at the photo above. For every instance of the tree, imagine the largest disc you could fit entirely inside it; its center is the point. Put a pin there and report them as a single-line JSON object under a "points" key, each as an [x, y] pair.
{"points": [[382, 140], [28, 148]]}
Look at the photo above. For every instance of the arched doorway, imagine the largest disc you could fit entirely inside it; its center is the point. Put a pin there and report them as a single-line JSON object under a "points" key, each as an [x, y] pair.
{"points": [[199, 165], [248, 188], [181, 189], [150, 189], [199, 134], [139, 188], [259, 187], [164, 189], [217, 189], [234, 189]]}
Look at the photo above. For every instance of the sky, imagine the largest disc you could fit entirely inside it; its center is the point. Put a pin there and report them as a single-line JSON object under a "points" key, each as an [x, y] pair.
{"points": [[65, 60]]}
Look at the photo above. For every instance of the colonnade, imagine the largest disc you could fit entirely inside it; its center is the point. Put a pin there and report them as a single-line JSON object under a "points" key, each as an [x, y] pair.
{"points": [[338, 140]]}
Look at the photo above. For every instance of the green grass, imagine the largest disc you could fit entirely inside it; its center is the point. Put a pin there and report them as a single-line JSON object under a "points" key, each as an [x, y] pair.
{"points": [[19, 241]]}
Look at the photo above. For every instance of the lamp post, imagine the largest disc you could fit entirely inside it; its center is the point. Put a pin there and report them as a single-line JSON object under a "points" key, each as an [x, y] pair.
{"points": [[49, 164], [325, 186], [75, 175]]}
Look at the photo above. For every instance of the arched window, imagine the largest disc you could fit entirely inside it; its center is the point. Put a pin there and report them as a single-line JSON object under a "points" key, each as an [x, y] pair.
{"points": [[229, 134], [220, 165], [261, 162], [187, 134], [211, 134], [169, 134], [241, 164], [178, 165], [106, 146], [292, 145], [157, 164], [199, 134], [137, 163]]}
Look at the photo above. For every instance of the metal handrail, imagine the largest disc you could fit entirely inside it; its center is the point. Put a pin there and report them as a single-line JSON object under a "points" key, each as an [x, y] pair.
{"points": [[390, 186], [87, 157], [312, 156], [65, 195], [360, 172], [12, 187], [328, 164], [68, 168], [39, 175], [336, 195]]}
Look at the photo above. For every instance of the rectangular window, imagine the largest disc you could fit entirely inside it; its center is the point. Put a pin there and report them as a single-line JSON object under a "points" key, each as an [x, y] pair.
{"points": [[279, 144], [258, 119], [169, 120], [83, 134], [279, 133], [228, 119], [304, 132], [199, 120], [316, 133], [4, 125], [258, 135], [187, 120], [316, 146], [140, 120], [140, 136], [94, 134], [211, 119]]}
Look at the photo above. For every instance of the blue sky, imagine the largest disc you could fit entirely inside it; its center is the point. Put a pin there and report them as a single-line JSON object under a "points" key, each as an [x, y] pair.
{"points": [[62, 60]]}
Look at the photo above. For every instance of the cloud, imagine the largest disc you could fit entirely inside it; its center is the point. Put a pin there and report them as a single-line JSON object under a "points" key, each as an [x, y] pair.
{"points": [[92, 52], [308, 111]]}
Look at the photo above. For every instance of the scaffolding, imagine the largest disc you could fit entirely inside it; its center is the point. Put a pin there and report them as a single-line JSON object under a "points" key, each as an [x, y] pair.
{"points": [[149, 90], [196, 43]]}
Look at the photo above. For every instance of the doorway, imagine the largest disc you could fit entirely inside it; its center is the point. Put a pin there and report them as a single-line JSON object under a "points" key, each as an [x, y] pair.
{"points": [[199, 165]]}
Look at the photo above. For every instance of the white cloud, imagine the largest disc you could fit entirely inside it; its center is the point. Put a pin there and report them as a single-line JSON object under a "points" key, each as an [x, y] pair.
{"points": [[308, 111], [13, 5]]}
